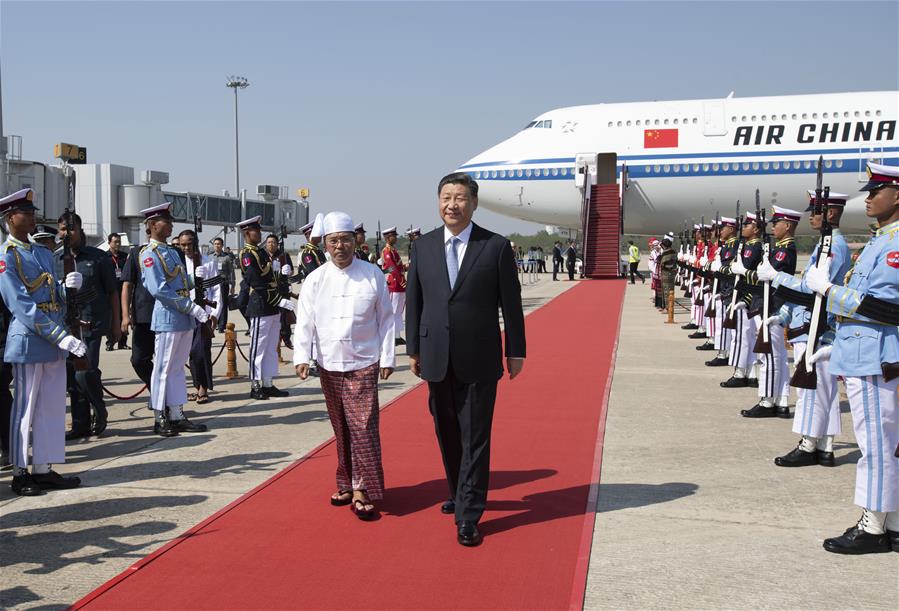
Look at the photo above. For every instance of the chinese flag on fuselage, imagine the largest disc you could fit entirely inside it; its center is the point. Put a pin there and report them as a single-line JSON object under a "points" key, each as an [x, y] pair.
{"points": [[659, 138]]}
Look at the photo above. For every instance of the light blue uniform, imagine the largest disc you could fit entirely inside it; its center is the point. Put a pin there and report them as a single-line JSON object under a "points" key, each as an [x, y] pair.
{"points": [[862, 345], [796, 315], [36, 301], [166, 279]]}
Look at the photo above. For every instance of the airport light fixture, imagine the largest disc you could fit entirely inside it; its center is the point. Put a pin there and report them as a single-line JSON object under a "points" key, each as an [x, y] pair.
{"points": [[235, 83]]}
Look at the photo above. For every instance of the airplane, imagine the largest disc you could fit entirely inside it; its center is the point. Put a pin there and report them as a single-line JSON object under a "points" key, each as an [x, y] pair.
{"points": [[693, 158]]}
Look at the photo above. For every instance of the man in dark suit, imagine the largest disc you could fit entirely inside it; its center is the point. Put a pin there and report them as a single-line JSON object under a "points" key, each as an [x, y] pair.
{"points": [[570, 259], [461, 275], [557, 259]]}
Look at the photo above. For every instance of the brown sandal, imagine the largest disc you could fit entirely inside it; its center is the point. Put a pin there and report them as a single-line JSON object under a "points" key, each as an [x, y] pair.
{"points": [[337, 498]]}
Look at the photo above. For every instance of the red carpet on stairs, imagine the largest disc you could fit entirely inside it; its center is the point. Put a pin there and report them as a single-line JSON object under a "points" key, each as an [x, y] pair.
{"points": [[283, 546]]}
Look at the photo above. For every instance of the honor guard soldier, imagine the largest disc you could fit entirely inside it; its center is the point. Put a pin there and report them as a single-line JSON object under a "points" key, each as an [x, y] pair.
{"points": [[264, 307], [360, 251], [45, 235], [774, 371], [866, 353], [693, 264], [175, 316], [311, 256], [36, 346], [711, 251], [817, 417], [741, 355], [720, 267], [396, 280]]}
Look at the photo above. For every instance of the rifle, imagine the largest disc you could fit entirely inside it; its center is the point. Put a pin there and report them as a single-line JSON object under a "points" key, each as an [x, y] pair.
{"points": [[688, 269], [201, 284], [805, 375], [378, 243], [711, 311], [730, 321], [73, 303], [700, 296], [763, 340]]}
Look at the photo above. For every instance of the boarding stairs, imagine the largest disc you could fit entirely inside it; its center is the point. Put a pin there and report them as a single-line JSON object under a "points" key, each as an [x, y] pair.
{"points": [[602, 232]]}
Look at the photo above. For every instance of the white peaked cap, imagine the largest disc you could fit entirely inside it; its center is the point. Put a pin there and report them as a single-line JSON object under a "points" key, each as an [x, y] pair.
{"points": [[785, 213], [317, 226], [831, 195], [336, 222], [670, 235]]}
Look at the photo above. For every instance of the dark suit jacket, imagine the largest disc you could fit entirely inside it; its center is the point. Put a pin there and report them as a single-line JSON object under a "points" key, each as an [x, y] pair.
{"points": [[462, 326]]}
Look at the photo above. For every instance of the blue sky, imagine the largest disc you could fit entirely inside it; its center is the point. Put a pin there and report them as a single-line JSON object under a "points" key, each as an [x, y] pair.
{"points": [[369, 104]]}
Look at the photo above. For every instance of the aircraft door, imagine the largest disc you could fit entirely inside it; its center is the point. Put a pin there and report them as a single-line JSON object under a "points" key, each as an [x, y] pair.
{"points": [[713, 123]]}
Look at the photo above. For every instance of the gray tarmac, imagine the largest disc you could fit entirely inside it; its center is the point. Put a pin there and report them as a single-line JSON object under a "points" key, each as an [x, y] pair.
{"points": [[692, 513]]}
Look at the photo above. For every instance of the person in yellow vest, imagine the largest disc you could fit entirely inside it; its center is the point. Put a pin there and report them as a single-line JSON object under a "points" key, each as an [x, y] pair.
{"points": [[633, 259]]}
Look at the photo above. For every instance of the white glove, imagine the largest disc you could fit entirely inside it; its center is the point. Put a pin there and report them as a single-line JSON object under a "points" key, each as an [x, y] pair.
{"points": [[200, 272], [703, 261], [287, 304], [740, 305], [276, 266], [680, 257], [772, 320], [716, 265], [286, 270], [72, 344], [821, 354], [199, 313], [817, 278], [737, 267], [693, 260], [765, 271], [74, 280]]}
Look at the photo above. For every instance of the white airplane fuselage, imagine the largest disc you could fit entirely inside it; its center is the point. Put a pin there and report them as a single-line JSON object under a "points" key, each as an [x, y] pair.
{"points": [[689, 159]]}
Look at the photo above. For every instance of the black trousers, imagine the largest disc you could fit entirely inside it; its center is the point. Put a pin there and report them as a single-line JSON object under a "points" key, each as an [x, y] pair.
{"points": [[201, 359], [557, 267], [463, 419], [86, 387], [226, 297], [5, 404], [143, 345], [632, 267], [570, 266]]}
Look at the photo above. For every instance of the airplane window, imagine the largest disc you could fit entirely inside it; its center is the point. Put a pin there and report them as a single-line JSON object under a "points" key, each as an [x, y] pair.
{"points": [[755, 166], [619, 124], [764, 117], [776, 165], [745, 166], [477, 175], [548, 124], [867, 113], [656, 169], [628, 123], [766, 165], [804, 116], [539, 125], [546, 171], [877, 113], [857, 114], [814, 115], [705, 167], [743, 118], [676, 168], [502, 173], [715, 167], [695, 120], [725, 166], [530, 125], [519, 173], [555, 171], [733, 119], [638, 121], [675, 121], [795, 165], [527, 173], [666, 121], [827, 163], [783, 117], [610, 124], [794, 116], [656, 121], [696, 167], [807, 164], [825, 115], [754, 118], [839, 163], [666, 168]]}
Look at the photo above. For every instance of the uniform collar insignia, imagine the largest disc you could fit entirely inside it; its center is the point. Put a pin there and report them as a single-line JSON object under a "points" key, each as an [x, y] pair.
{"points": [[894, 226]]}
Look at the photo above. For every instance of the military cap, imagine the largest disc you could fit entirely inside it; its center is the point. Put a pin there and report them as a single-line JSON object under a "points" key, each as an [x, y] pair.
{"points": [[20, 201], [163, 210], [251, 223], [881, 176]]}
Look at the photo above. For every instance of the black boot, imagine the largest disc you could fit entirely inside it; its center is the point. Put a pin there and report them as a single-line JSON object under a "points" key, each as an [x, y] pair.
{"points": [[689, 326], [797, 457], [716, 362], [735, 382], [698, 335], [759, 411], [706, 346], [186, 426], [163, 426], [257, 393], [271, 391], [24, 485], [52, 480]]}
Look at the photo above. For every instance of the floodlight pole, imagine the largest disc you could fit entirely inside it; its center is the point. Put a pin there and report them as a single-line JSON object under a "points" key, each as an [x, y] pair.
{"points": [[235, 83]]}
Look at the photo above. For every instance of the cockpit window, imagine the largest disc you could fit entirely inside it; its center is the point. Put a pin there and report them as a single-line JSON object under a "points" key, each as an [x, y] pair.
{"points": [[539, 125], [548, 124], [545, 124], [530, 125]]}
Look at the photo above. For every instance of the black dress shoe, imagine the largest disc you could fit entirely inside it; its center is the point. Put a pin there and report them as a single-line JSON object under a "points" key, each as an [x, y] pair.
{"points": [[78, 434], [734, 382], [716, 362], [825, 459], [24, 485], [759, 411], [706, 346], [689, 326], [893, 535], [448, 507], [164, 429], [783, 411], [258, 393], [54, 481], [399, 341], [857, 541], [287, 343], [467, 534], [99, 424], [186, 426], [752, 382], [271, 391], [698, 335], [797, 457]]}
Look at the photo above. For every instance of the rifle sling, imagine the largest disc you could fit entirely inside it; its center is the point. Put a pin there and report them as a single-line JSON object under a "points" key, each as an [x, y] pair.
{"points": [[879, 310]]}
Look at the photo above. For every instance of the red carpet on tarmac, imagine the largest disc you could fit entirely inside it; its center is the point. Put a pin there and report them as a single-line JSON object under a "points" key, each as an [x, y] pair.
{"points": [[283, 546]]}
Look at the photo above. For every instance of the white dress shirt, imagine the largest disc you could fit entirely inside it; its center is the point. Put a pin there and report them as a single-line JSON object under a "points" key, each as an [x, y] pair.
{"points": [[214, 293], [347, 314], [463, 236]]}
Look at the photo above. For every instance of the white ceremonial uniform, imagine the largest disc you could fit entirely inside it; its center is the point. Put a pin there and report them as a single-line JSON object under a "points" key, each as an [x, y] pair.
{"points": [[335, 313]]}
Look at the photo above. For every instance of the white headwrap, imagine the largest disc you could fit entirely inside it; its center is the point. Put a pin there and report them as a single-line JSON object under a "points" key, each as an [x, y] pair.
{"points": [[336, 222], [317, 227]]}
